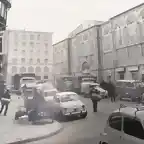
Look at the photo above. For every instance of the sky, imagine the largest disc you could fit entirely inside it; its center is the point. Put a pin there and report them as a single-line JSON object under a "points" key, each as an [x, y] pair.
{"points": [[62, 16]]}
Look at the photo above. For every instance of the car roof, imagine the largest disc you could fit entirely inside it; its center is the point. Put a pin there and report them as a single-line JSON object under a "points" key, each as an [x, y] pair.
{"points": [[65, 93], [131, 81], [135, 111]]}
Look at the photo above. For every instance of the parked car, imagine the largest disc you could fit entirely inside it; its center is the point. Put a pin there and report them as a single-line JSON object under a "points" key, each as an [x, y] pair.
{"points": [[68, 104], [124, 126], [130, 90]]}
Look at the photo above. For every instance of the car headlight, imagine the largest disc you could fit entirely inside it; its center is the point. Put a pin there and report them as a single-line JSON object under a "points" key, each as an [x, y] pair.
{"points": [[83, 107]]}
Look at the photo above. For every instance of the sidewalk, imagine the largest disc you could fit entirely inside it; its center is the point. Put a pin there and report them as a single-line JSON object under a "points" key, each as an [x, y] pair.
{"points": [[13, 133]]}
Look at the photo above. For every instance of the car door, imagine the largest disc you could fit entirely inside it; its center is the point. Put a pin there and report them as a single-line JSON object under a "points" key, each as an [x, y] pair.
{"points": [[113, 129], [133, 131]]}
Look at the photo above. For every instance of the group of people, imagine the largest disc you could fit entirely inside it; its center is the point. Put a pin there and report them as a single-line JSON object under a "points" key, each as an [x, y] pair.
{"points": [[95, 94], [5, 100]]}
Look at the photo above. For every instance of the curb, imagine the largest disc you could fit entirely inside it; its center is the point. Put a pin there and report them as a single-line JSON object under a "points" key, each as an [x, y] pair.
{"points": [[38, 138]]}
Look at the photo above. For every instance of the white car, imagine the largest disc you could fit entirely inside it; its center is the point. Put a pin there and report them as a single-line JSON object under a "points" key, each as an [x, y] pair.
{"points": [[67, 104], [124, 126]]}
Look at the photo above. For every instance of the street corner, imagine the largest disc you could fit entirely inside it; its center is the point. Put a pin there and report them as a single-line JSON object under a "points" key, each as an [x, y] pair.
{"points": [[22, 134]]}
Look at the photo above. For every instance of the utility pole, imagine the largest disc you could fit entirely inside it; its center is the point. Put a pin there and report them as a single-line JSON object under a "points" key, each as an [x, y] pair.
{"points": [[98, 47]]}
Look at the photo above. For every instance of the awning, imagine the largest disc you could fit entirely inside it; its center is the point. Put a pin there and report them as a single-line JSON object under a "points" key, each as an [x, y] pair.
{"points": [[133, 68], [120, 69]]}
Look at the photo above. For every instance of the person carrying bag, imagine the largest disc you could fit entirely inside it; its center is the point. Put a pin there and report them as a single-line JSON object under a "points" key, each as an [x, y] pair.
{"points": [[95, 97], [5, 100]]}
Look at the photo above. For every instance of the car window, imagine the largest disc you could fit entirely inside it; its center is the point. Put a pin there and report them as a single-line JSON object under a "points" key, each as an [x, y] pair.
{"points": [[119, 84], [69, 97], [133, 128], [115, 122], [129, 84]]}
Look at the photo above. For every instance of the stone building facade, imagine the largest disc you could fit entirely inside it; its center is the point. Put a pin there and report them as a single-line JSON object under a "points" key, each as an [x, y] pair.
{"points": [[84, 52], [61, 58], [122, 39]]}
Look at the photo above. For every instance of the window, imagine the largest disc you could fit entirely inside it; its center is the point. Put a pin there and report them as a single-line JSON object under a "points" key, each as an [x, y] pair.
{"points": [[38, 69], [85, 37], [142, 77], [31, 44], [133, 128], [14, 69], [22, 69], [38, 60], [46, 69], [5, 14], [23, 60], [134, 75], [46, 61], [38, 37], [115, 122], [14, 61], [30, 69], [31, 37], [129, 84], [46, 45], [46, 53], [121, 75], [30, 61]]}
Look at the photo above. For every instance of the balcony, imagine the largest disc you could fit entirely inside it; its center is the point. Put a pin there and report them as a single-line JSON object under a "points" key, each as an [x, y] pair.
{"points": [[7, 3]]}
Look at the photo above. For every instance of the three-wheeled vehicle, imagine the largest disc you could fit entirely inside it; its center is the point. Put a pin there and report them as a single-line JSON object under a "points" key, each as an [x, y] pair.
{"points": [[36, 107]]}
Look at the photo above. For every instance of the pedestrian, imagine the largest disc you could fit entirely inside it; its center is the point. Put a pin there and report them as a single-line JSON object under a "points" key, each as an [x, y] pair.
{"points": [[5, 100], [95, 97], [111, 90]]}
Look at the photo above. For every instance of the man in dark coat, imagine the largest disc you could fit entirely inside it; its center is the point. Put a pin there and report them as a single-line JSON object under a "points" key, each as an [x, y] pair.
{"points": [[103, 85], [5, 100], [111, 91]]}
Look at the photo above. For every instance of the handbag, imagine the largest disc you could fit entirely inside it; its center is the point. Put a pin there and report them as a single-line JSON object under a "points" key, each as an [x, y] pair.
{"points": [[96, 97]]}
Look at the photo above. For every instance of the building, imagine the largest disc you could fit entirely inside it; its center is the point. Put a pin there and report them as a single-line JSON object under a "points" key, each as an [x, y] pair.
{"points": [[61, 64], [5, 5], [84, 52], [28, 52], [123, 45], [112, 49]]}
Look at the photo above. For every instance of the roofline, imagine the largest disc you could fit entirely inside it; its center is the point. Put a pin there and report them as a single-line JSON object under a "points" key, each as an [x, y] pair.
{"points": [[97, 25], [20, 30], [60, 41], [127, 11]]}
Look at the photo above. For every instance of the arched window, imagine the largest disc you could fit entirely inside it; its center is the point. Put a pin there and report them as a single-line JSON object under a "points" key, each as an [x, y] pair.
{"points": [[22, 70], [46, 69], [30, 69], [14, 69], [85, 66]]}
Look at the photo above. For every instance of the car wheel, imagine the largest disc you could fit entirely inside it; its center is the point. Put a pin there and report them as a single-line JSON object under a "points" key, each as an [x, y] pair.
{"points": [[84, 115]]}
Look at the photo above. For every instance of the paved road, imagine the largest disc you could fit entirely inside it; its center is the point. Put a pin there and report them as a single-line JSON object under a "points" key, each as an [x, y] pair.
{"points": [[84, 131]]}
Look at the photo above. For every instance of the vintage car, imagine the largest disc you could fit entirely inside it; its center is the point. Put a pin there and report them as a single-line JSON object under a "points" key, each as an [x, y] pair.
{"points": [[124, 126], [67, 104], [130, 90]]}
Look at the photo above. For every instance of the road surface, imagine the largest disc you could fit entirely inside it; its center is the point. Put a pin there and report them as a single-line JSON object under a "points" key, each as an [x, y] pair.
{"points": [[83, 131]]}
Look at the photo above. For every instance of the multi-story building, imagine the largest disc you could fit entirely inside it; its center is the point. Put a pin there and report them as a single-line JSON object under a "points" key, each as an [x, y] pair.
{"points": [[61, 64], [28, 52], [5, 5], [84, 52], [123, 44]]}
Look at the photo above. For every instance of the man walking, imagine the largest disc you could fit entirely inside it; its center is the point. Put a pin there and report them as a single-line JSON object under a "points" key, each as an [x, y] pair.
{"points": [[5, 100], [111, 91], [95, 97]]}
